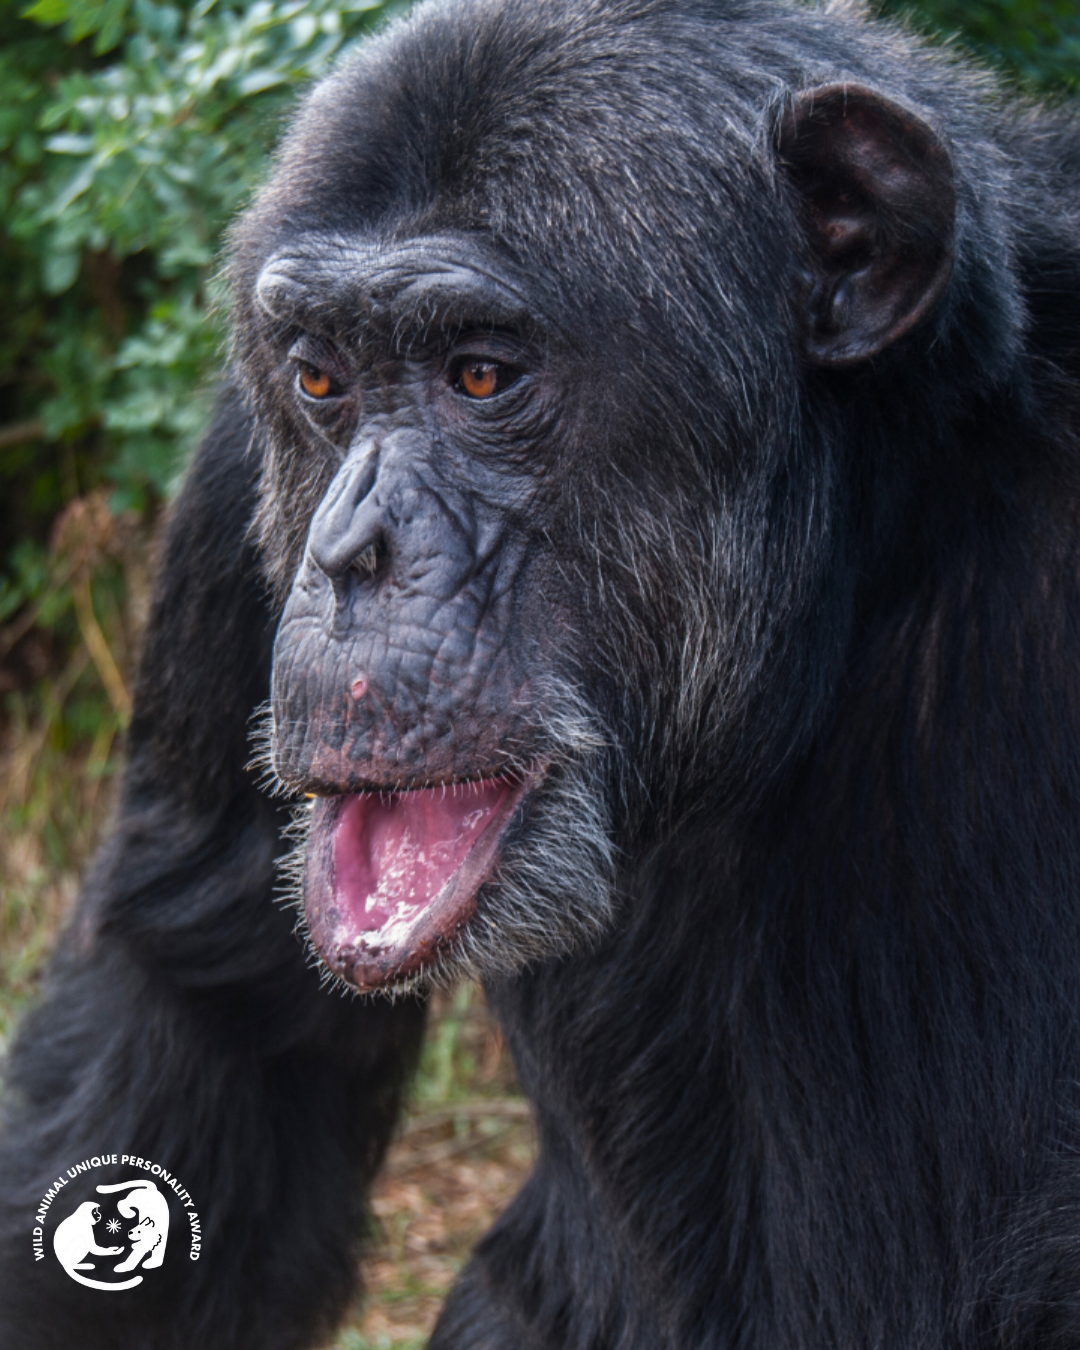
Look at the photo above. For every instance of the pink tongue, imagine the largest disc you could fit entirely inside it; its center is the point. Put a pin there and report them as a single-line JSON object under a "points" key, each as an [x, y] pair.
{"points": [[394, 852]]}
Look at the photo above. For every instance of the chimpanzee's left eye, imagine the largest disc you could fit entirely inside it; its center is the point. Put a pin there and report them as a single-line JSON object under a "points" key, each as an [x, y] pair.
{"points": [[314, 382], [483, 379]]}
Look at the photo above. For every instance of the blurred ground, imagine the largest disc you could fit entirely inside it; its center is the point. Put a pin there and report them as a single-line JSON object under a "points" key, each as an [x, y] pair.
{"points": [[464, 1149]]}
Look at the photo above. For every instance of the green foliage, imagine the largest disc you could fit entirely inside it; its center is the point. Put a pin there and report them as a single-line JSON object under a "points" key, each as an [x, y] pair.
{"points": [[1036, 42], [130, 132]]}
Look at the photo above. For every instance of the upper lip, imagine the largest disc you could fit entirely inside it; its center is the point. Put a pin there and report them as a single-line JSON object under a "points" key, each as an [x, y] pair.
{"points": [[419, 783]]}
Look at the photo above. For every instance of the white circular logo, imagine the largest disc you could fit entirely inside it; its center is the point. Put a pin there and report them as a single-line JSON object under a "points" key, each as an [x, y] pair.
{"points": [[110, 1242]]}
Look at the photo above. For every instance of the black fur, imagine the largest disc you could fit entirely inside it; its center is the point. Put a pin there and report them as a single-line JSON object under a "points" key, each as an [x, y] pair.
{"points": [[805, 1062]]}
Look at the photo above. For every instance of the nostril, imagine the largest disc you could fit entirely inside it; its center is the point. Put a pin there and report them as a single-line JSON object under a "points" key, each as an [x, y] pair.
{"points": [[367, 562], [348, 544]]}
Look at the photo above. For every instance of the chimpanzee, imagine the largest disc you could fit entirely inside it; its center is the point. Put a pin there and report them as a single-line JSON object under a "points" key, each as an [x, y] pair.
{"points": [[646, 490]]}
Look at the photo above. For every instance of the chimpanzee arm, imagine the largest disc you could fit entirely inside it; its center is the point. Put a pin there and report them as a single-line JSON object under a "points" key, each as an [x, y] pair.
{"points": [[180, 1023]]}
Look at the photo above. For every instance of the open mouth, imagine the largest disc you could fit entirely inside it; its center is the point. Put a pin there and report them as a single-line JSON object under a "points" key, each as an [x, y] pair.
{"points": [[391, 877]]}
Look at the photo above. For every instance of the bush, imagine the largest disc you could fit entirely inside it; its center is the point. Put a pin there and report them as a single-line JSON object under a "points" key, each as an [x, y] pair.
{"points": [[131, 131]]}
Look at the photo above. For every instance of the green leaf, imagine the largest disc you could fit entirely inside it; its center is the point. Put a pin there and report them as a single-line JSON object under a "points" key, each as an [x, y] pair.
{"points": [[48, 12], [59, 272], [70, 145], [258, 80]]}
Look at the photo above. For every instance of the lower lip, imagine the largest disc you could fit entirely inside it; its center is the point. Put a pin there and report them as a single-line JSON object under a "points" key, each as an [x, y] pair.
{"points": [[392, 878]]}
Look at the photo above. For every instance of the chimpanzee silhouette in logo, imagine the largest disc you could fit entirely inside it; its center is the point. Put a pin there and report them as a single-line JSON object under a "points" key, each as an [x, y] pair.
{"points": [[74, 1238]]}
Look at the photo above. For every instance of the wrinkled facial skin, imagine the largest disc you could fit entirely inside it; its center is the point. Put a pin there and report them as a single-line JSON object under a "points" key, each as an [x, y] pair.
{"points": [[400, 658], [415, 656], [403, 652]]}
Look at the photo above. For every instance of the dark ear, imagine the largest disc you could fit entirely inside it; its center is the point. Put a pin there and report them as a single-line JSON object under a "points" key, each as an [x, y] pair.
{"points": [[878, 206]]}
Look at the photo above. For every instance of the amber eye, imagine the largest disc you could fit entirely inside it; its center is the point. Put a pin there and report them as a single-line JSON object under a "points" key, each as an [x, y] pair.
{"points": [[315, 383], [479, 379]]}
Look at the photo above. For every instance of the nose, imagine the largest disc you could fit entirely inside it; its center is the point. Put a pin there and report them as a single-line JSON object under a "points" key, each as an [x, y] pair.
{"points": [[347, 531]]}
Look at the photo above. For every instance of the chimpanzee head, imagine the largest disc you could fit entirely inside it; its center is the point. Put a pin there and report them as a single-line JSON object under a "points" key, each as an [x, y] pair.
{"points": [[564, 323]]}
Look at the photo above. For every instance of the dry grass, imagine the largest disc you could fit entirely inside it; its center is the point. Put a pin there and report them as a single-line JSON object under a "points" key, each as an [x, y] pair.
{"points": [[54, 800], [65, 659]]}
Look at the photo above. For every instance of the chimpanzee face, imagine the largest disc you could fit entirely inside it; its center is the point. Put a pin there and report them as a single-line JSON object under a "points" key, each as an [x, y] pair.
{"points": [[551, 548], [417, 662]]}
